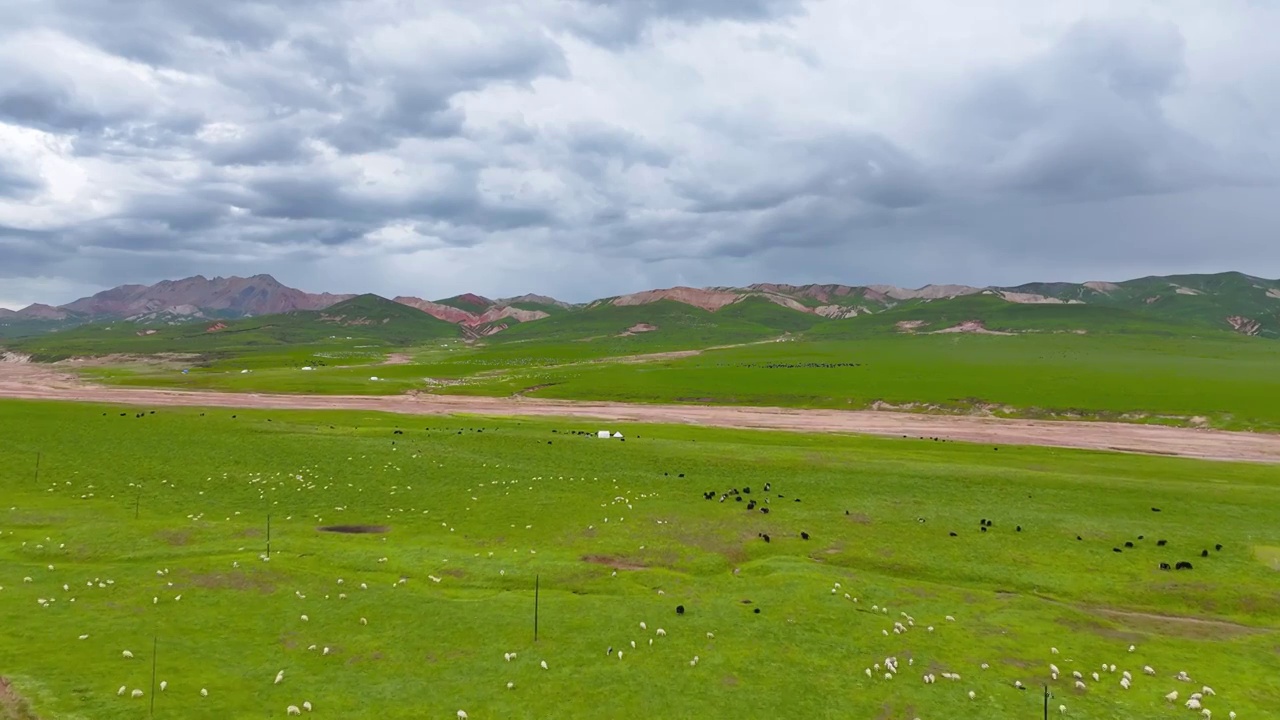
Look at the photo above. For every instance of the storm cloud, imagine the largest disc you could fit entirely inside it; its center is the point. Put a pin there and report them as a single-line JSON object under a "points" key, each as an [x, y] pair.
{"points": [[584, 148]]}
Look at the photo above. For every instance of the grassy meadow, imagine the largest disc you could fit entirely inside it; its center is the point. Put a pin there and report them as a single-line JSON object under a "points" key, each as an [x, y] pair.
{"points": [[129, 513], [1225, 381]]}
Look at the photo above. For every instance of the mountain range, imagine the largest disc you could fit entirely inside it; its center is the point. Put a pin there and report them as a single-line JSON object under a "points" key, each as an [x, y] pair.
{"points": [[1231, 300]]}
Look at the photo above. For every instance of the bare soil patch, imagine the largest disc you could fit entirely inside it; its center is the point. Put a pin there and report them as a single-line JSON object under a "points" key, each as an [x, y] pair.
{"points": [[38, 382], [398, 359], [174, 537], [355, 529], [12, 705], [232, 581], [613, 562]]}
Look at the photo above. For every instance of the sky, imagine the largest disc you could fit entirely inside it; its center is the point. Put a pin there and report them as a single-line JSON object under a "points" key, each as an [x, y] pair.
{"points": [[589, 148]]}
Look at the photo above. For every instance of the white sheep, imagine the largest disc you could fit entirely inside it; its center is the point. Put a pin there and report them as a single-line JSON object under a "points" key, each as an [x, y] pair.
{"points": [[1172, 697], [1207, 715], [306, 705], [1079, 685], [204, 692], [619, 654], [1124, 683], [950, 619], [1148, 670], [1076, 674], [1193, 704], [1096, 677], [1207, 690], [543, 664], [462, 715], [279, 677], [292, 710], [888, 676], [364, 621], [511, 686], [136, 693], [126, 655], [1062, 709], [304, 618], [1016, 683], [711, 636], [643, 626], [1053, 650], [972, 695], [163, 684], [1132, 648], [123, 689], [325, 651], [506, 656], [1052, 668], [663, 633], [84, 637]]}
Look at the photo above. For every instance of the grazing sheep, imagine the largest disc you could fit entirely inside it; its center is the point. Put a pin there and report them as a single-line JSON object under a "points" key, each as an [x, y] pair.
{"points": [[972, 695], [1017, 684], [1096, 678], [126, 655], [306, 705], [543, 664], [510, 685], [1052, 668], [1053, 650], [950, 619], [643, 626], [462, 715], [136, 693], [292, 710], [1079, 685], [1062, 709], [1124, 683], [1172, 697], [1207, 690], [163, 684], [305, 618], [279, 678], [363, 621], [122, 690], [204, 692], [1076, 674], [710, 636], [1193, 704], [1148, 670], [325, 651], [1132, 648]]}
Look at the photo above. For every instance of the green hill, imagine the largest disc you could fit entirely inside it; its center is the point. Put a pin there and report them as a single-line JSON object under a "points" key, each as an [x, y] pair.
{"points": [[998, 315], [770, 314], [365, 318], [664, 323]]}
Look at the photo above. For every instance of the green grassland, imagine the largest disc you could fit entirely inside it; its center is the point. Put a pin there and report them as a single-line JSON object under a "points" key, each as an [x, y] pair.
{"points": [[1229, 381], [175, 504]]}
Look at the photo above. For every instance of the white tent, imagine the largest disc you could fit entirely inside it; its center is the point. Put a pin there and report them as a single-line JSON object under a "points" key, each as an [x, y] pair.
{"points": [[617, 434], [602, 434]]}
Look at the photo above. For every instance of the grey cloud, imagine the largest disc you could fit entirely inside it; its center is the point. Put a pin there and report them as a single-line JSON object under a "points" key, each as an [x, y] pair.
{"points": [[507, 146], [17, 184], [1085, 121], [623, 22]]}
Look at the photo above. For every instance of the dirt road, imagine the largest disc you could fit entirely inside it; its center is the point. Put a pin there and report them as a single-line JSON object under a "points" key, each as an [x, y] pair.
{"points": [[21, 380]]}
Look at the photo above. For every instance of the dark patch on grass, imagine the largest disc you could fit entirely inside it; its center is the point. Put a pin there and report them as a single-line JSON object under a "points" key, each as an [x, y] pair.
{"points": [[174, 537], [355, 529], [232, 581], [12, 705], [614, 562]]}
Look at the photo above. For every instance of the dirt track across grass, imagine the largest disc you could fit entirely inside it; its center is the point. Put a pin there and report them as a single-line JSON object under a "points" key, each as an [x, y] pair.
{"points": [[37, 382]]}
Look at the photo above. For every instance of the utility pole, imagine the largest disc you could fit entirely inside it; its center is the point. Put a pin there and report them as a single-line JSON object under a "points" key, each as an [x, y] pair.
{"points": [[155, 641], [1046, 702], [37, 467], [536, 582]]}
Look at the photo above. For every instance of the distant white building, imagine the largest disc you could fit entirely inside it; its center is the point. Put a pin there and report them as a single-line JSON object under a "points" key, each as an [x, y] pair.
{"points": [[603, 434]]}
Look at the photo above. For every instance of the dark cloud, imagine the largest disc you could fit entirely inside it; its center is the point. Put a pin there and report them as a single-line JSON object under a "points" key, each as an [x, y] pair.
{"points": [[17, 184], [590, 147], [623, 22]]}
